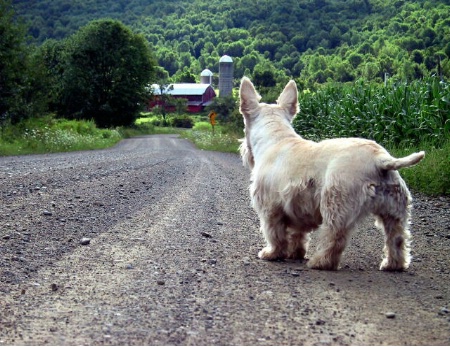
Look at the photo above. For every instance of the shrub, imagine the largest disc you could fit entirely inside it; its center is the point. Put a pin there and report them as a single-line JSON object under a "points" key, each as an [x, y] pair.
{"points": [[182, 122]]}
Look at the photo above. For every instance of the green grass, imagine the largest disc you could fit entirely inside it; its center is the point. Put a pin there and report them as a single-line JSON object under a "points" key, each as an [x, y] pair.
{"points": [[432, 175], [222, 139], [147, 128], [47, 135]]}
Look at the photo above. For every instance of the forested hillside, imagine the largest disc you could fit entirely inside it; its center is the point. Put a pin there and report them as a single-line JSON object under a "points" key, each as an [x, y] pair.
{"points": [[313, 41]]}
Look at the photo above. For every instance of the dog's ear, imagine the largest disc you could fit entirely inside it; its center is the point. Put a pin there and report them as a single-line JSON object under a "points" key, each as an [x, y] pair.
{"points": [[249, 98], [288, 99]]}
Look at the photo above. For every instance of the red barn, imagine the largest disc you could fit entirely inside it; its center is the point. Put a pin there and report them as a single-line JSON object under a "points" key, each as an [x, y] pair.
{"points": [[197, 95]]}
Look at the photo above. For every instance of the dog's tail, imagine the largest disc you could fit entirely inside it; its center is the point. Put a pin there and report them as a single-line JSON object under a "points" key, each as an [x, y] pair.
{"points": [[390, 163]]}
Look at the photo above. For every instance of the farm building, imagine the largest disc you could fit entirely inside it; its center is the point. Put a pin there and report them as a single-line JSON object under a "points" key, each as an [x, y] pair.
{"points": [[197, 95]]}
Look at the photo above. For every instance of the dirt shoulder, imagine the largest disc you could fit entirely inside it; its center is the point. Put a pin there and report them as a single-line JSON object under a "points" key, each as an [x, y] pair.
{"points": [[170, 257]]}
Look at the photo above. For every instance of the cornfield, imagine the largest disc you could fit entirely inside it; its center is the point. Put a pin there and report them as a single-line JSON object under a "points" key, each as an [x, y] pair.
{"points": [[398, 114]]}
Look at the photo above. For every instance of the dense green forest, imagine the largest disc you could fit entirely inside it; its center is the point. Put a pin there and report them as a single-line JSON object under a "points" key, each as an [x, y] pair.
{"points": [[313, 41]]}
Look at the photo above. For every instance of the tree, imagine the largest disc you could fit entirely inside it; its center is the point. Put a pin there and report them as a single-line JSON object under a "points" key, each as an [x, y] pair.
{"points": [[264, 75], [224, 107], [185, 76], [165, 100], [12, 64], [49, 59], [106, 73], [355, 59]]}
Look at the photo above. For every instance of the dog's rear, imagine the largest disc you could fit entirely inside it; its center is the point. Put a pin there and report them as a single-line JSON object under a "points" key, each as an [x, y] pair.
{"points": [[299, 185]]}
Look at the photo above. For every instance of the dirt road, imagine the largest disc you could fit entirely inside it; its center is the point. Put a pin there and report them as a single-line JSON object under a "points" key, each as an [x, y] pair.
{"points": [[154, 242]]}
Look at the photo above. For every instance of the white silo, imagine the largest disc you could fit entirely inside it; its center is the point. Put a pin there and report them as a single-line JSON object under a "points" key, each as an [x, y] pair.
{"points": [[206, 77], [225, 76]]}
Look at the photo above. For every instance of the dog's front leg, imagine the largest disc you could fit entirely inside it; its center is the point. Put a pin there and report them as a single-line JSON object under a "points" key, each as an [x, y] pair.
{"points": [[273, 228]]}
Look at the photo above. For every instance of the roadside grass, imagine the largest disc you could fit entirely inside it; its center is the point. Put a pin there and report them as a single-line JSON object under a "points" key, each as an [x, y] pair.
{"points": [[432, 175], [146, 128], [48, 134], [223, 139]]}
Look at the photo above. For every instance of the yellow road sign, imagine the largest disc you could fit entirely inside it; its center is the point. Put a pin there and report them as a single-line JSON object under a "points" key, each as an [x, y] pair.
{"points": [[212, 117]]}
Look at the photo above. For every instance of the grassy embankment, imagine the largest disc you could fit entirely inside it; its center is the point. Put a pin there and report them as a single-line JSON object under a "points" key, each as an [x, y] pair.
{"points": [[47, 135]]}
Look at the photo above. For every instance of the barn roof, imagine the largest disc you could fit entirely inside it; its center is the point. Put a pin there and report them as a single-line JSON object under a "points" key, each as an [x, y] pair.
{"points": [[183, 89]]}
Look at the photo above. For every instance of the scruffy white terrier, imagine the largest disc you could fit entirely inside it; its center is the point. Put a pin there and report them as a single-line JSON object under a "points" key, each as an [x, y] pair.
{"points": [[298, 186]]}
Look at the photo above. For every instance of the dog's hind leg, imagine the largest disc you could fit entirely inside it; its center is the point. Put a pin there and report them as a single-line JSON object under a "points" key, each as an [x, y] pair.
{"points": [[332, 242], [273, 227], [396, 249], [392, 216], [340, 212]]}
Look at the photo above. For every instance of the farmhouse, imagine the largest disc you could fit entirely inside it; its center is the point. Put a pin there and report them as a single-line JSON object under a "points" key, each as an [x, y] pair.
{"points": [[197, 95]]}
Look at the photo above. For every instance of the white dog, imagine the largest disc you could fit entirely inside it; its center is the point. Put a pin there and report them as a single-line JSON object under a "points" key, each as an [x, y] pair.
{"points": [[299, 185]]}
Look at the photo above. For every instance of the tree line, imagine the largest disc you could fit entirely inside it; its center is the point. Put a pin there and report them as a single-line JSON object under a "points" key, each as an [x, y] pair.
{"points": [[312, 41], [57, 56], [101, 72]]}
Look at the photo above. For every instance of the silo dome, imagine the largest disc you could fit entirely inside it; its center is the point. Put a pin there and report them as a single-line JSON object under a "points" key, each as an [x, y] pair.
{"points": [[226, 72], [206, 72], [206, 76], [226, 59]]}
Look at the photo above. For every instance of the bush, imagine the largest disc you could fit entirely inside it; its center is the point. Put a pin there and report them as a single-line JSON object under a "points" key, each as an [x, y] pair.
{"points": [[182, 122]]}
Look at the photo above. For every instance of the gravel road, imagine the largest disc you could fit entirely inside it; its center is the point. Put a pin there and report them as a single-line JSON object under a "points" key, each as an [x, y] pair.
{"points": [[154, 242]]}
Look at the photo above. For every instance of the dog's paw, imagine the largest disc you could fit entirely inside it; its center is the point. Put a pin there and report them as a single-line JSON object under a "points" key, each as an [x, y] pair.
{"points": [[387, 265], [321, 264], [267, 253]]}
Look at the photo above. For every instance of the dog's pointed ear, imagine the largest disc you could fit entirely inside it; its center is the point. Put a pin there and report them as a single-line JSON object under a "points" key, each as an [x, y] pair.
{"points": [[249, 97], [288, 99]]}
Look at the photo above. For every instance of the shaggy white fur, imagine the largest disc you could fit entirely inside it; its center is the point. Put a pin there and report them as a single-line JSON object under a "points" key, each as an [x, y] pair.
{"points": [[298, 186]]}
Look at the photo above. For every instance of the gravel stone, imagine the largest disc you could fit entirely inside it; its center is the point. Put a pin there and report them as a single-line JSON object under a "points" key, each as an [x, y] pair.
{"points": [[85, 241]]}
